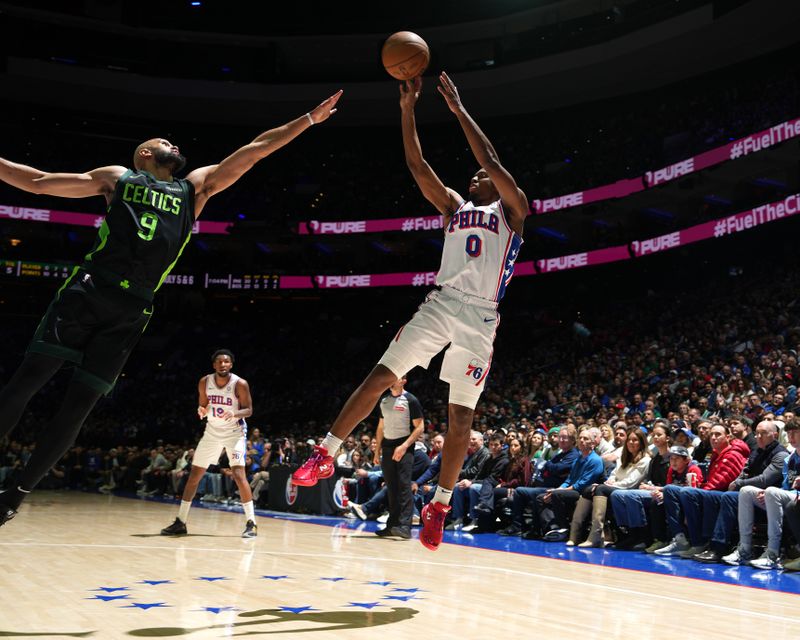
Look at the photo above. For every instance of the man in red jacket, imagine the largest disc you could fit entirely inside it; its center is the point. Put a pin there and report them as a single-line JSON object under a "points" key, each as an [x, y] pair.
{"points": [[700, 506]]}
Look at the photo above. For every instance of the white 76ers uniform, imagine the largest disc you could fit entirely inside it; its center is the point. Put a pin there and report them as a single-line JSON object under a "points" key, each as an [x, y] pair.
{"points": [[477, 264], [220, 433]]}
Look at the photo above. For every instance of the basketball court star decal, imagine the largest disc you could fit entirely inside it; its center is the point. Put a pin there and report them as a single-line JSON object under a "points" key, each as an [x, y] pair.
{"points": [[337, 579], [403, 598], [274, 577], [379, 583], [111, 589], [146, 605], [98, 596], [153, 583], [212, 578], [216, 610], [366, 605], [298, 610]]}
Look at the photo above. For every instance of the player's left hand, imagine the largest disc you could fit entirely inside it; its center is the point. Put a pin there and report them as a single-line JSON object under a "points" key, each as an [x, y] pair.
{"points": [[409, 92], [326, 108], [450, 93]]}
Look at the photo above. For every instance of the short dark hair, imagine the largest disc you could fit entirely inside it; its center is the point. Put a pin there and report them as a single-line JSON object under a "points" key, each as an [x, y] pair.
{"points": [[222, 352], [791, 425]]}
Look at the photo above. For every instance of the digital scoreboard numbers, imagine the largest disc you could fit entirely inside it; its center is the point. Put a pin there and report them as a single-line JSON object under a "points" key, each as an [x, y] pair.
{"points": [[230, 281], [29, 269], [244, 282]]}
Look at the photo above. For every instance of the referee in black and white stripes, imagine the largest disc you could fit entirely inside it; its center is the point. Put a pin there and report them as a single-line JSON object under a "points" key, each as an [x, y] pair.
{"points": [[399, 427]]}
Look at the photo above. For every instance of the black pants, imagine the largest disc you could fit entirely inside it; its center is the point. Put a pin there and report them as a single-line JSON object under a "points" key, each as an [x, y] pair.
{"points": [[557, 514], [397, 476]]}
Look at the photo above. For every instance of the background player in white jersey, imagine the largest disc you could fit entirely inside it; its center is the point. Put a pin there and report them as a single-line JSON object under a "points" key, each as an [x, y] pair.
{"points": [[225, 402], [482, 240]]}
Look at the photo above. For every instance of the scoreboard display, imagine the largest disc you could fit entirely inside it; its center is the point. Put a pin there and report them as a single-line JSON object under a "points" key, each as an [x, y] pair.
{"points": [[229, 281], [27, 269]]}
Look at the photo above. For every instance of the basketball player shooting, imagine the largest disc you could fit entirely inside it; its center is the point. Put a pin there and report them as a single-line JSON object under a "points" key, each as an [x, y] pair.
{"points": [[101, 311], [224, 401], [483, 235]]}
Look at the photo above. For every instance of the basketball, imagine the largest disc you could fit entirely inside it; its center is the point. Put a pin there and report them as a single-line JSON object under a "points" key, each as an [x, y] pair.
{"points": [[405, 55]]}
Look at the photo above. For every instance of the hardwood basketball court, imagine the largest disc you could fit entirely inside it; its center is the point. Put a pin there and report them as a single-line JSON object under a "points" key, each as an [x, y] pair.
{"points": [[84, 565]]}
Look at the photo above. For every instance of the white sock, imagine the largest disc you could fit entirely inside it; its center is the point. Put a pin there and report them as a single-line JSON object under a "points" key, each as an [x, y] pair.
{"points": [[249, 511], [331, 443], [442, 495], [183, 512]]}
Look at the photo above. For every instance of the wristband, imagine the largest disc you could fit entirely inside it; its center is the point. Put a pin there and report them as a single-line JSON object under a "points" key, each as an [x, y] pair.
{"points": [[310, 119]]}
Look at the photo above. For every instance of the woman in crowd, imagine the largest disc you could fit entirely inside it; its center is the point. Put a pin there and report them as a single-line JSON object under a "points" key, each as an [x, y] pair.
{"points": [[629, 473], [630, 507]]}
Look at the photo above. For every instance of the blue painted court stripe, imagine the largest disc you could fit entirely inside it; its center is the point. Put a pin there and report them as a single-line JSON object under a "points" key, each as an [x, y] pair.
{"points": [[785, 582]]}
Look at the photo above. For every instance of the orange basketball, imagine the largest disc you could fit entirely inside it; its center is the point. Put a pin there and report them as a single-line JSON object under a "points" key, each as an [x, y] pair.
{"points": [[405, 55]]}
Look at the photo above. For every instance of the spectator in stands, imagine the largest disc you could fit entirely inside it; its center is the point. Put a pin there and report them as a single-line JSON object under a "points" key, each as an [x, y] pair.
{"points": [[465, 498], [727, 461], [550, 474], [630, 507], [630, 471], [556, 505], [775, 501], [741, 428], [763, 469]]}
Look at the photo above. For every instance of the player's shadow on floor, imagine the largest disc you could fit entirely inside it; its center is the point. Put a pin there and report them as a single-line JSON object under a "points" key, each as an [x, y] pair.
{"points": [[370, 535], [188, 535], [307, 622]]}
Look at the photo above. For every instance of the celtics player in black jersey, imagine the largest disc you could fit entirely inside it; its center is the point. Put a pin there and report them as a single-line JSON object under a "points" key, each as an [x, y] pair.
{"points": [[97, 317]]}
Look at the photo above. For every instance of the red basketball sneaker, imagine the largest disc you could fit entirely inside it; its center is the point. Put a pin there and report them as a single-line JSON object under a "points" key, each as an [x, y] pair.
{"points": [[433, 516], [318, 467]]}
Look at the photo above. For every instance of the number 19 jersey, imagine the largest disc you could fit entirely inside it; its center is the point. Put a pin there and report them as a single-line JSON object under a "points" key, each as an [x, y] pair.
{"points": [[480, 249], [220, 400]]}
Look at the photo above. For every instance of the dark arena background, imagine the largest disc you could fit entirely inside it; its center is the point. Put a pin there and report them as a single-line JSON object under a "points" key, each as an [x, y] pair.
{"points": [[658, 144]]}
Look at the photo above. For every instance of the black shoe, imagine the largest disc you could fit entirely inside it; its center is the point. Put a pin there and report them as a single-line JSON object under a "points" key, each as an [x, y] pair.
{"points": [[512, 530], [401, 532], [709, 556], [250, 530], [177, 528], [384, 533], [6, 514], [482, 508], [531, 534], [556, 535]]}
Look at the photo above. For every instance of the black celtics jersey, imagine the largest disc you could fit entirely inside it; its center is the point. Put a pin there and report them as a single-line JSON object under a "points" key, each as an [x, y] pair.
{"points": [[146, 227]]}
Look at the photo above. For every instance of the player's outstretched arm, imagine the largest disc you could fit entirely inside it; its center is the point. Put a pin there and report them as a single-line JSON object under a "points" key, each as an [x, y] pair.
{"points": [[514, 200], [212, 179], [68, 185], [443, 198]]}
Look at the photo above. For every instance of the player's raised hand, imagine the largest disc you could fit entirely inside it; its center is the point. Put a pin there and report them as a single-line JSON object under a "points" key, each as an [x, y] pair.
{"points": [[448, 89], [326, 108], [409, 92]]}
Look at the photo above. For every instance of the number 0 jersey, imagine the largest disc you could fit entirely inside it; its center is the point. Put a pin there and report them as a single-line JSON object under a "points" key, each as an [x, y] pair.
{"points": [[480, 249], [220, 400], [146, 227]]}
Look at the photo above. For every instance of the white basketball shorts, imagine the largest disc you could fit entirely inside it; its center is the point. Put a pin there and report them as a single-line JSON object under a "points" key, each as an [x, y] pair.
{"points": [[210, 447], [467, 323]]}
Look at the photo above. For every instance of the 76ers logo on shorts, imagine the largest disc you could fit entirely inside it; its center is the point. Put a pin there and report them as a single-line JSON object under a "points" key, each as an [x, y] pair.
{"points": [[474, 369], [291, 492]]}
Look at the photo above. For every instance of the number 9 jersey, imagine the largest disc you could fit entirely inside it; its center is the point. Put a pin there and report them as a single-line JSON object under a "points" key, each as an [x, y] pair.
{"points": [[146, 227], [479, 251]]}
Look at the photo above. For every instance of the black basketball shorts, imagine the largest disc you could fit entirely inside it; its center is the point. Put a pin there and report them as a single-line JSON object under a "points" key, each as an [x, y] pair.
{"points": [[94, 325]]}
